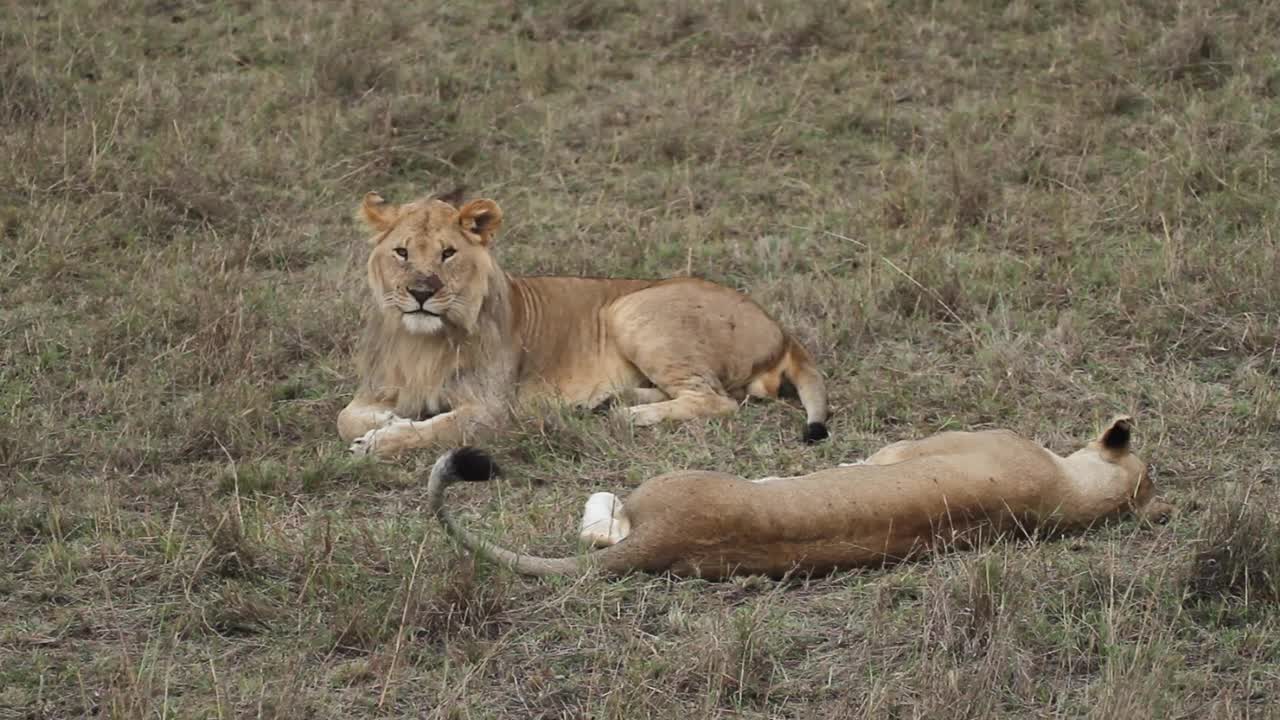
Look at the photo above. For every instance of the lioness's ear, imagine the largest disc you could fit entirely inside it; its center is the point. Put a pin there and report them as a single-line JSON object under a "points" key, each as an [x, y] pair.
{"points": [[482, 217], [1117, 435], [378, 213]]}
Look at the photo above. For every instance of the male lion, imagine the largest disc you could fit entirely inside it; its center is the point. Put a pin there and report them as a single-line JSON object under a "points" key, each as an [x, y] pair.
{"points": [[953, 489], [454, 341]]}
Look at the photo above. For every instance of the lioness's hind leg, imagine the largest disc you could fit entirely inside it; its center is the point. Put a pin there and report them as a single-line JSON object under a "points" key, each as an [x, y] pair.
{"points": [[604, 521], [889, 454]]}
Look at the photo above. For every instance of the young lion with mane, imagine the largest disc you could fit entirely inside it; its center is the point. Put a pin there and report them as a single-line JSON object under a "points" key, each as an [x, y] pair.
{"points": [[455, 342]]}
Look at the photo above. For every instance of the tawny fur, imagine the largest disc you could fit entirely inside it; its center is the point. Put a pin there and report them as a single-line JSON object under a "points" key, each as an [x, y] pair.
{"points": [[439, 369], [910, 499]]}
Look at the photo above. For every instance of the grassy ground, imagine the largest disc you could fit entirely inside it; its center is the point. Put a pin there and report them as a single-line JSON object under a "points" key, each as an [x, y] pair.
{"points": [[1024, 214]]}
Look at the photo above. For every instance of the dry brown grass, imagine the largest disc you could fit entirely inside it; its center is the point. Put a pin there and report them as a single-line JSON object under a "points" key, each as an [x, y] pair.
{"points": [[1007, 213]]}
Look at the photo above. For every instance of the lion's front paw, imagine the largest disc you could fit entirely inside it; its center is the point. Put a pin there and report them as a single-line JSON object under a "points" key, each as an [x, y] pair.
{"points": [[389, 440], [365, 444]]}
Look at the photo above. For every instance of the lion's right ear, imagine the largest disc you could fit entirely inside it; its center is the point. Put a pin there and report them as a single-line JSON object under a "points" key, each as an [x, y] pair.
{"points": [[378, 213], [1118, 435], [482, 217]]}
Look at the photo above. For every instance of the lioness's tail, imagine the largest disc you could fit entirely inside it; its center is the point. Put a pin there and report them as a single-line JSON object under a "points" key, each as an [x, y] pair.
{"points": [[472, 464], [811, 388]]}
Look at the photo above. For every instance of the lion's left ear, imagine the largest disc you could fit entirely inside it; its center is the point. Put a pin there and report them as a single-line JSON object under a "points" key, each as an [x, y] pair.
{"points": [[482, 217], [1118, 435], [378, 213]]}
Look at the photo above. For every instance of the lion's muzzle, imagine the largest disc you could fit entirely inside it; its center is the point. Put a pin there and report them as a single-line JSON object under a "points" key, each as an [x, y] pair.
{"points": [[422, 287]]}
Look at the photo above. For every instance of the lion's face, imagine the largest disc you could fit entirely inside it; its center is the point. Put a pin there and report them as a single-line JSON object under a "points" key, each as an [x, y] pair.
{"points": [[430, 265]]}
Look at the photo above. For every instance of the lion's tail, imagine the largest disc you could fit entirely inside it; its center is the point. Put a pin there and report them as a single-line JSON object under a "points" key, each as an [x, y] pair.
{"points": [[471, 465], [812, 389]]}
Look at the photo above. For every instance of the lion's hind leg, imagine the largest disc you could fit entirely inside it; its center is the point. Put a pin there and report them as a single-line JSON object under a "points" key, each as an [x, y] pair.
{"points": [[604, 521], [629, 397], [643, 396], [681, 337], [687, 378], [684, 406], [694, 391]]}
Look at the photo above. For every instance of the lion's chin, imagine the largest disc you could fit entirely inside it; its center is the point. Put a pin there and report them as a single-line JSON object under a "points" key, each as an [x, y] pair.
{"points": [[420, 323]]}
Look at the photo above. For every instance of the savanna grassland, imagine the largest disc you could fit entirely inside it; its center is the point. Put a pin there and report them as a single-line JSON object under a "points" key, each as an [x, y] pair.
{"points": [[1031, 215]]}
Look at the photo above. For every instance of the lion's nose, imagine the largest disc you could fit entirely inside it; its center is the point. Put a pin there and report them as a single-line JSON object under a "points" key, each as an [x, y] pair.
{"points": [[421, 294]]}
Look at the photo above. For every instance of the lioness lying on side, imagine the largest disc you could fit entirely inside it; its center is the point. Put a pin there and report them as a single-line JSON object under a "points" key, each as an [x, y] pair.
{"points": [[911, 498], [455, 341]]}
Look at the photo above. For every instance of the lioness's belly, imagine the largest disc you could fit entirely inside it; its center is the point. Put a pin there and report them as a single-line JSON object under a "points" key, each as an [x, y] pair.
{"points": [[833, 519], [781, 558]]}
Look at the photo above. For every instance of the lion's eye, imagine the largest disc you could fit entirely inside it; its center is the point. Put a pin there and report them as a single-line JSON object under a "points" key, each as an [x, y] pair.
{"points": [[403, 253], [448, 253]]}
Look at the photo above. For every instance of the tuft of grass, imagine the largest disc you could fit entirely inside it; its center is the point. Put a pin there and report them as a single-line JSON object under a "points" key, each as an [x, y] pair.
{"points": [[466, 600], [231, 552], [11, 446], [252, 478], [338, 471], [1239, 556], [1192, 50], [971, 610]]}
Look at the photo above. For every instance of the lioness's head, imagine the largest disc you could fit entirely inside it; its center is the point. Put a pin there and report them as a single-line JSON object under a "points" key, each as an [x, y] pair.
{"points": [[1113, 460], [430, 265]]}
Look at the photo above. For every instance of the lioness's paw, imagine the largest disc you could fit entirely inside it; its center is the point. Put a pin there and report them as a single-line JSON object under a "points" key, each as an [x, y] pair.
{"points": [[1157, 512], [385, 418], [595, 537], [364, 444], [855, 463]]}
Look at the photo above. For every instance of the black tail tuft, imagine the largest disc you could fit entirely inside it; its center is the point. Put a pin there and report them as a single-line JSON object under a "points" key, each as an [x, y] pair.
{"points": [[815, 432], [473, 464]]}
